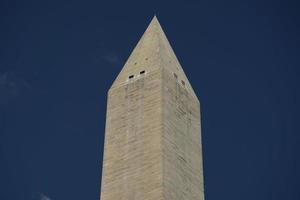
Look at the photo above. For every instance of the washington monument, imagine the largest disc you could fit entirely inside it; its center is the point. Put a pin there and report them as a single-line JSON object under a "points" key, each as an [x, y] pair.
{"points": [[152, 147]]}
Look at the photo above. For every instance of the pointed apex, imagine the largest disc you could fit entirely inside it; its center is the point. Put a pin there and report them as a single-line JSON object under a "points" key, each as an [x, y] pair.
{"points": [[154, 25], [154, 18], [153, 52]]}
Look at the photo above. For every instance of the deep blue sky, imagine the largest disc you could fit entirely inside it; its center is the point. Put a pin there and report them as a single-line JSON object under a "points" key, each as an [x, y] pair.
{"points": [[58, 59]]}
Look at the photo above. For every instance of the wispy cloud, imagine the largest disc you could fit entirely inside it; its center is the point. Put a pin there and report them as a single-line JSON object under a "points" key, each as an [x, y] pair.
{"points": [[103, 55], [111, 58], [12, 86], [44, 197]]}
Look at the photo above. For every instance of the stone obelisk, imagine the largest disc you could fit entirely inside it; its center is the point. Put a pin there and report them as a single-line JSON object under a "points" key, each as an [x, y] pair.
{"points": [[152, 147]]}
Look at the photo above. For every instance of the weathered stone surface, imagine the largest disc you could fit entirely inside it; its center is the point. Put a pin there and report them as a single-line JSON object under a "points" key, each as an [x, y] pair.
{"points": [[152, 145]]}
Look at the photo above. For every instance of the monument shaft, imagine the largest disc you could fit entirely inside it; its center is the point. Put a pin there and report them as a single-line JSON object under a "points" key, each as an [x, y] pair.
{"points": [[152, 147]]}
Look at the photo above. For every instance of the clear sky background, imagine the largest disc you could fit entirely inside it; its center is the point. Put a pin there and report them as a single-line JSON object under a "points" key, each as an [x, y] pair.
{"points": [[58, 59]]}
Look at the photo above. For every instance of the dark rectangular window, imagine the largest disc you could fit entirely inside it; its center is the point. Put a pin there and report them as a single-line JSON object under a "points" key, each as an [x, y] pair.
{"points": [[131, 76], [142, 72]]}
